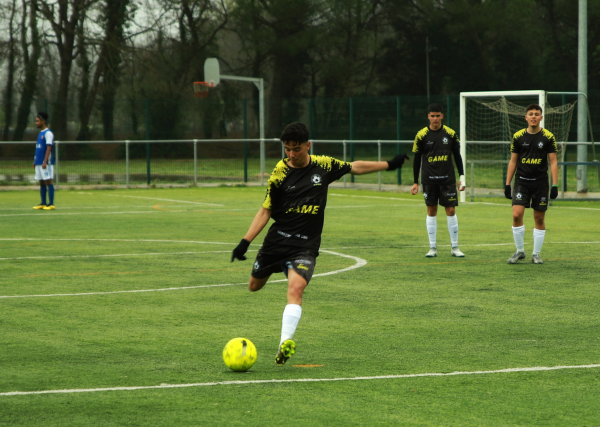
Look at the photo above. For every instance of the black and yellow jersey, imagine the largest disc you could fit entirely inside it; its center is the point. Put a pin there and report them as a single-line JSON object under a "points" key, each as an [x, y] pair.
{"points": [[436, 148], [533, 150], [297, 198]]}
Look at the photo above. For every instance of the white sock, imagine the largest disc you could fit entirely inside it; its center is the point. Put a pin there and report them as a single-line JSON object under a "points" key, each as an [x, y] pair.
{"points": [[289, 323], [538, 240], [519, 236], [431, 222], [453, 230]]}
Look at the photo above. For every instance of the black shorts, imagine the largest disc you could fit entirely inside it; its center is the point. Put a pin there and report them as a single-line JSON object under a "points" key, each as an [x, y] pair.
{"points": [[444, 194], [281, 258], [531, 194]]}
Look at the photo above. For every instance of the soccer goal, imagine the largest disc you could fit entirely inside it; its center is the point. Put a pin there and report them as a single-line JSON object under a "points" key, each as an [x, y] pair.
{"points": [[488, 120]]}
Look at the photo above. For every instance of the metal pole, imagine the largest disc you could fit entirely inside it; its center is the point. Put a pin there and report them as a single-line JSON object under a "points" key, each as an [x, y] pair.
{"points": [[379, 159], [398, 132], [261, 99], [147, 143], [195, 162], [582, 86], [127, 164], [56, 164], [245, 142], [351, 117], [344, 145]]}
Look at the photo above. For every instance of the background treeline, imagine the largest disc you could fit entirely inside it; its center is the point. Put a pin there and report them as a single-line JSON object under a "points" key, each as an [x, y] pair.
{"points": [[116, 69]]}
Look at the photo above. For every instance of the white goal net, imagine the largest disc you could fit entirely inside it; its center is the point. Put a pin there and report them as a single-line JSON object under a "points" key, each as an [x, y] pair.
{"points": [[488, 120]]}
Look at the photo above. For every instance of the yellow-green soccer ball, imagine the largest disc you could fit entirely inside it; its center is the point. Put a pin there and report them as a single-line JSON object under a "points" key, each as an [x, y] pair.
{"points": [[239, 354]]}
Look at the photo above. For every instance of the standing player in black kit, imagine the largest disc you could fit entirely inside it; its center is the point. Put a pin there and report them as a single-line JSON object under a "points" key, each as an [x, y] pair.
{"points": [[296, 199], [531, 150], [436, 145]]}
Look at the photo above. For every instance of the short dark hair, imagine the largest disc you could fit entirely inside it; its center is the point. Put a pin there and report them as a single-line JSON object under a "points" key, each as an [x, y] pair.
{"points": [[534, 107], [436, 108], [295, 132], [43, 115]]}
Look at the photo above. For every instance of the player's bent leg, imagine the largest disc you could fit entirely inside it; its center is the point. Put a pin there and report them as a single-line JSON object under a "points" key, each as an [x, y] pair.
{"points": [[291, 316], [257, 284], [296, 286]]}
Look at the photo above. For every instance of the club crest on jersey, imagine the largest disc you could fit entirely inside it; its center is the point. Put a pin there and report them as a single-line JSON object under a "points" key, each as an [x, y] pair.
{"points": [[519, 196], [445, 140], [316, 179], [540, 144], [256, 265]]}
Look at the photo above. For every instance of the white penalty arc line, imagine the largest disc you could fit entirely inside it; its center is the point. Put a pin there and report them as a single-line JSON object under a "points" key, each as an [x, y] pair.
{"points": [[302, 380], [359, 263]]}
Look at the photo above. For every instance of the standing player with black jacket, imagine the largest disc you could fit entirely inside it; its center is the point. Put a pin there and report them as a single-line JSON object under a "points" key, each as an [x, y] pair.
{"points": [[531, 150], [436, 145], [296, 199]]}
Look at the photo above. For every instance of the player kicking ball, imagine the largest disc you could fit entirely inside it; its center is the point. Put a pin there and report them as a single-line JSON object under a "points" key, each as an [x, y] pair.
{"points": [[296, 199], [531, 150]]}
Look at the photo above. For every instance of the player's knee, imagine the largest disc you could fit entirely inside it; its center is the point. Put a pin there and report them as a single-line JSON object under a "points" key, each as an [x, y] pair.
{"points": [[255, 284]]}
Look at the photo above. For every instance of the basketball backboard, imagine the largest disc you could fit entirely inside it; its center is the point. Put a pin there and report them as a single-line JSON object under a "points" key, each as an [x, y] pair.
{"points": [[212, 74]]}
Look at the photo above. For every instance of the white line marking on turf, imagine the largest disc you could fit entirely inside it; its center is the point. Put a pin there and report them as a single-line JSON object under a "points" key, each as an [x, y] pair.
{"points": [[398, 199], [302, 380], [123, 240], [359, 263], [165, 200], [112, 255], [84, 213]]}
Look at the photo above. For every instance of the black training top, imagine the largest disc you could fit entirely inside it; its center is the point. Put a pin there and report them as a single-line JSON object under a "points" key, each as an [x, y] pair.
{"points": [[436, 148], [533, 150], [297, 199]]}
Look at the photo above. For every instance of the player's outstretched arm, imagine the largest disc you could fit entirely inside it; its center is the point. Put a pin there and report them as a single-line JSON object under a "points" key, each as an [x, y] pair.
{"points": [[362, 167], [258, 223]]}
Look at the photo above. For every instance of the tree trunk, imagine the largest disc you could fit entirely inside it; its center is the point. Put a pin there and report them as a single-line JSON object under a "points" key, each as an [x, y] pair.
{"points": [[10, 76], [31, 70], [65, 29]]}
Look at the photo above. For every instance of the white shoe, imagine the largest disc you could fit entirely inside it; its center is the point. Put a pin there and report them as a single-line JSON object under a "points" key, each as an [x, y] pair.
{"points": [[432, 252], [456, 252]]}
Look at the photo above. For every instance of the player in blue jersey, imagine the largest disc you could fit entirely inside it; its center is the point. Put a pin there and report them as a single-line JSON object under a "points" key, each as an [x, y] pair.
{"points": [[533, 150], [43, 161], [296, 199]]}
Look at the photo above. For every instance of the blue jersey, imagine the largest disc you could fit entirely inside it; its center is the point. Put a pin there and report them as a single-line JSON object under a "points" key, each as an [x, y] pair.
{"points": [[45, 138]]}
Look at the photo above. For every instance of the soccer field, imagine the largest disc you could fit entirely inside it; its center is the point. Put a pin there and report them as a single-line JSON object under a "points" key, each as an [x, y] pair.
{"points": [[115, 307]]}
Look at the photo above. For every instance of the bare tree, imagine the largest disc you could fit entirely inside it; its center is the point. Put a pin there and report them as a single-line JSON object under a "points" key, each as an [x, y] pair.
{"points": [[31, 67], [64, 27], [115, 15], [10, 72]]}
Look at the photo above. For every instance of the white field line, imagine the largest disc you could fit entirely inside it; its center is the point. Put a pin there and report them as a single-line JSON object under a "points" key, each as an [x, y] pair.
{"points": [[303, 380], [84, 213], [464, 204], [170, 209], [359, 263], [112, 255], [165, 200], [465, 245], [397, 199], [122, 240]]}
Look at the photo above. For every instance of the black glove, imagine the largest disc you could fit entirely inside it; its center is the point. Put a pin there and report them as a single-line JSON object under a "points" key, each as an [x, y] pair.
{"points": [[240, 250], [397, 162], [554, 192], [507, 192]]}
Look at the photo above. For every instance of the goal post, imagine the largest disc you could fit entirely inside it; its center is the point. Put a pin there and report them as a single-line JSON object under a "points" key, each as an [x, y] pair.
{"points": [[488, 120]]}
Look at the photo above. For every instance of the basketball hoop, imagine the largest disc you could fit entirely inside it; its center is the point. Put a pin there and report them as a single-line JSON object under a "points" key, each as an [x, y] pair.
{"points": [[201, 89]]}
